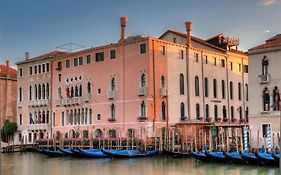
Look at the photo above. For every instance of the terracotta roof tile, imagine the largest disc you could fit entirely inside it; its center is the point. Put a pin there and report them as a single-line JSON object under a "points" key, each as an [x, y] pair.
{"points": [[3, 72], [272, 42]]}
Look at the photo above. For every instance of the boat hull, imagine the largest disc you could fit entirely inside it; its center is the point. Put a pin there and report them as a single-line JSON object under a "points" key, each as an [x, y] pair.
{"points": [[216, 157], [176, 154], [265, 159], [129, 153], [92, 153], [51, 153], [234, 157], [67, 151], [249, 158], [200, 156]]}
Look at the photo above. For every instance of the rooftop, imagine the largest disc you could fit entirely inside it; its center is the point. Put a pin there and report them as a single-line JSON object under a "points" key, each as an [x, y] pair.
{"points": [[270, 43], [3, 72]]}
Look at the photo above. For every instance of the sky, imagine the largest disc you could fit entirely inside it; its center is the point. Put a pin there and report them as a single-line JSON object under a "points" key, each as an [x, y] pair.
{"points": [[39, 26]]}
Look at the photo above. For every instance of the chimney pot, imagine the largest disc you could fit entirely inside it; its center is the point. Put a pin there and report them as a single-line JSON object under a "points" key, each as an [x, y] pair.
{"points": [[123, 22], [188, 27], [26, 55], [8, 63]]}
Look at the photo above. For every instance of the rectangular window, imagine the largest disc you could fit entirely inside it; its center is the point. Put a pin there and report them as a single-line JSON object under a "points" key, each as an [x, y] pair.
{"points": [[99, 56], [59, 77], [181, 54], [47, 67], [88, 59], [98, 116], [142, 48], [43, 68], [54, 119], [112, 54], [215, 61], [239, 67], [62, 118], [39, 69], [59, 65], [264, 129], [35, 69], [196, 57], [75, 61], [245, 69], [231, 66], [30, 70], [163, 50], [67, 63], [175, 40], [206, 59], [222, 63], [80, 60], [21, 72]]}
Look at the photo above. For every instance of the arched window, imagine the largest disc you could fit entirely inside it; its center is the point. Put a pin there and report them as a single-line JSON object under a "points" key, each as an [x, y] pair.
{"points": [[47, 117], [197, 110], [112, 84], [207, 111], [39, 91], [223, 89], [196, 83], [43, 117], [112, 111], [266, 99], [181, 78], [72, 91], [206, 87], [43, 91], [90, 116], [232, 112], [20, 120], [182, 110], [98, 133], [143, 109], [30, 93], [265, 63], [215, 88], [224, 113], [47, 91], [80, 90], [163, 107], [163, 83], [216, 112], [112, 133], [36, 92], [276, 99], [240, 113], [143, 80], [89, 87], [76, 91], [231, 90], [247, 91], [239, 91], [20, 94]]}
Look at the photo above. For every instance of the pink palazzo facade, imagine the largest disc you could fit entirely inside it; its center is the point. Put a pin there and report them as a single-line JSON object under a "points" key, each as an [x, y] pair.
{"points": [[139, 85]]}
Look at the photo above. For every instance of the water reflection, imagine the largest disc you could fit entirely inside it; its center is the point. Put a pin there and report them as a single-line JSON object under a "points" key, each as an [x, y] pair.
{"points": [[34, 164]]}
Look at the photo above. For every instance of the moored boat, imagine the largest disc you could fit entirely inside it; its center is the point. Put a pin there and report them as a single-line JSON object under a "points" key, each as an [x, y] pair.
{"points": [[76, 152], [129, 153], [276, 157], [67, 151], [200, 156], [92, 153], [265, 159], [234, 157], [249, 158], [176, 154], [54, 153], [216, 156]]}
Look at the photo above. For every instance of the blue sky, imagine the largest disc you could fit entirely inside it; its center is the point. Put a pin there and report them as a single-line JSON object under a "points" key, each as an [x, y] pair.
{"points": [[40, 26]]}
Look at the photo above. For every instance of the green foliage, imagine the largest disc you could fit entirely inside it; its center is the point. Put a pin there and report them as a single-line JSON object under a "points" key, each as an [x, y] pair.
{"points": [[9, 128]]}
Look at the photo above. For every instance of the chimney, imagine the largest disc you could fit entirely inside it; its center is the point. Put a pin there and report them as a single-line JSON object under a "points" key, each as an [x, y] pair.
{"points": [[26, 55], [188, 27], [123, 22], [8, 68]]}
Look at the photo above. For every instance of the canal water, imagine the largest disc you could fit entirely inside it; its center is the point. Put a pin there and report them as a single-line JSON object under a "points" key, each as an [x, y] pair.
{"points": [[37, 164]]}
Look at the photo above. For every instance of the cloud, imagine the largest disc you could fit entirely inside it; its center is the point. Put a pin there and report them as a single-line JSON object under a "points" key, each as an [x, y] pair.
{"points": [[268, 2], [267, 31]]}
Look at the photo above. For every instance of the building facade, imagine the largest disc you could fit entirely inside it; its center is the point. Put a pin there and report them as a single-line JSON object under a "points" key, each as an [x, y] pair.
{"points": [[8, 95], [265, 83], [139, 85]]}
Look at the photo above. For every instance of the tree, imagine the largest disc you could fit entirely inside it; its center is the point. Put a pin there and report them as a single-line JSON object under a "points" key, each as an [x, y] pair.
{"points": [[9, 129]]}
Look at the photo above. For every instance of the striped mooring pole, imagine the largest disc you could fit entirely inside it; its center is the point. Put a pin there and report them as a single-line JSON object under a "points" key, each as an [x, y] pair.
{"points": [[268, 137], [245, 134]]}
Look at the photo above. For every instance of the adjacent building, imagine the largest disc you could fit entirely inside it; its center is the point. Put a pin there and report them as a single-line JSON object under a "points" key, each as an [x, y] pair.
{"points": [[8, 93], [136, 87], [265, 84]]}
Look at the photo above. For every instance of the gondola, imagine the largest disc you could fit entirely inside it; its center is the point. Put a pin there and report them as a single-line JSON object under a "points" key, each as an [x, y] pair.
{"points": [[265, 159], [92, 153], [276, 158], [234, 157], [200, 156], [67, 151], [249, 158], [53, 153], [129, 153], [216, 156], [75, 152], [176, 154]]}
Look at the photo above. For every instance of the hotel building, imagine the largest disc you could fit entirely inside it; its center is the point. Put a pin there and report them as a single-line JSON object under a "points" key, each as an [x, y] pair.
{"points": [[137, 86]]}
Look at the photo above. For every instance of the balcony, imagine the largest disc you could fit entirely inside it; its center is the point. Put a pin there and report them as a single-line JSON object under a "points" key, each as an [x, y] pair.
{"points": [[112, 94], [72, 101], [19, 104], [142, 118], [42, 102], [164, 92], [142, 91], [42, 126], [87, 97], [263, 79]]}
